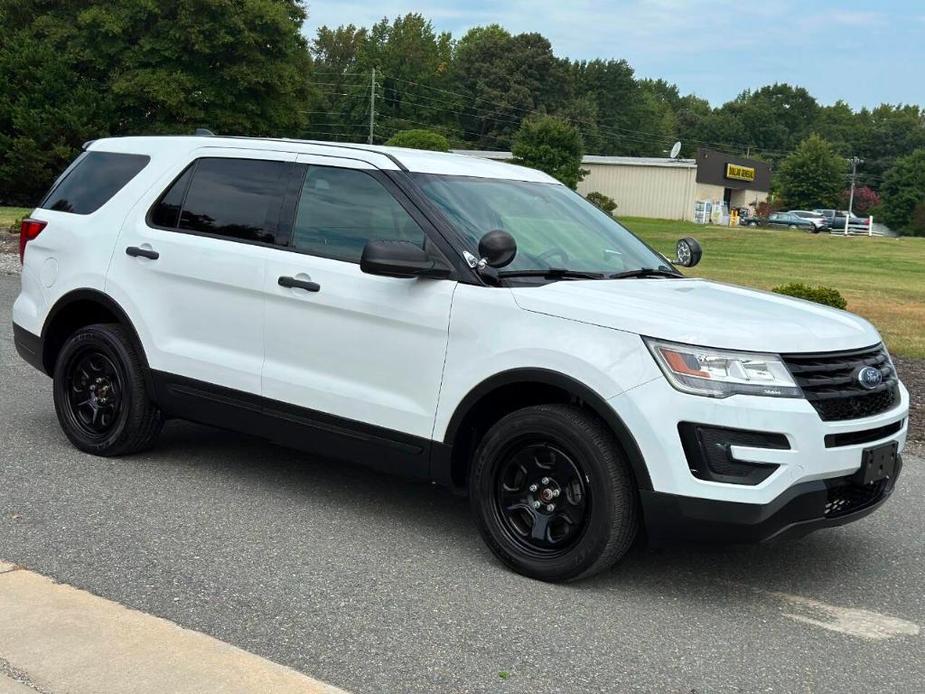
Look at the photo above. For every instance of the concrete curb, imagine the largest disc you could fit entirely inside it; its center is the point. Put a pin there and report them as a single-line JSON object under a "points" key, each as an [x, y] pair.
{"points": [[62, 639]]}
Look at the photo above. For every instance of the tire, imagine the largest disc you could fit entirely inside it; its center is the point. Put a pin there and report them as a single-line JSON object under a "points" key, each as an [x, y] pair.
{"points": [[753, 224], [793, 226], [574, 461], [100, 395]]}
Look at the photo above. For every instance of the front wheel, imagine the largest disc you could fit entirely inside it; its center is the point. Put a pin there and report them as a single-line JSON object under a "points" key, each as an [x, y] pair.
{"points": [[552, 494], [100, 396]]}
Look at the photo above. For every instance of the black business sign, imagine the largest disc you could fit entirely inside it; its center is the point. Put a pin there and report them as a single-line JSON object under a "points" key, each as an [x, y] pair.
{"points": [[739, 173]]}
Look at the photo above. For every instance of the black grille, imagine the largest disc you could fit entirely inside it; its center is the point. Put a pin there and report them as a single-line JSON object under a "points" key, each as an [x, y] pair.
{"points": [[830, 382], [852, 497]]}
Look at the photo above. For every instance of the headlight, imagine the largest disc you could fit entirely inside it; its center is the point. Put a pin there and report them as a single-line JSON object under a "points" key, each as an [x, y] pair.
{"points": [[718, 373]]}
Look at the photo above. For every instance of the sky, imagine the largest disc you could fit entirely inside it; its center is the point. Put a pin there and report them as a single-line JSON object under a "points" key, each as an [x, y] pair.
{"points": [[864, 53]]}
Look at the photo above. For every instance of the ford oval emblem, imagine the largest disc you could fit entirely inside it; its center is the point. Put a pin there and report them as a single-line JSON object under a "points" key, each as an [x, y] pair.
{"points": [[870, 377]]}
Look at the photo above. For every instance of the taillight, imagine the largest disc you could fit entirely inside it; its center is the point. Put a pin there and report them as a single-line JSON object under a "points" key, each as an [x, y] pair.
{"points": [[29, 229]]}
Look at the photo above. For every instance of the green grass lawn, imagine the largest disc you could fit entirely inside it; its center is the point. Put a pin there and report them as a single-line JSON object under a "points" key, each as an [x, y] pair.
{"points": [[882, 279], [8, 215]]}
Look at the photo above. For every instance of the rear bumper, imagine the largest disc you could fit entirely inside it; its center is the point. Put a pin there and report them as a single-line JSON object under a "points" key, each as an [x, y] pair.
{"points": [[29, 347], [801, 509]]}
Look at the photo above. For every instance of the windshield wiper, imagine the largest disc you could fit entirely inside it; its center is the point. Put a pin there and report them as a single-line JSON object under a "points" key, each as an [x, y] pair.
{"points": [[554, 273], [644, 272]]}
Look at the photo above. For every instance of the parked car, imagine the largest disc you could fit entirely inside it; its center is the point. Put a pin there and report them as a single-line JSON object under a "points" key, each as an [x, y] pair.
{"points": [[822, 220], [836, 219], [787, 220], [455, 319]]}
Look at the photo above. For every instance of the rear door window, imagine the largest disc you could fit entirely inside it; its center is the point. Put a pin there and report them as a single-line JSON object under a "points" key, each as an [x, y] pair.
{"points": [[236, 199], [93, 180]]}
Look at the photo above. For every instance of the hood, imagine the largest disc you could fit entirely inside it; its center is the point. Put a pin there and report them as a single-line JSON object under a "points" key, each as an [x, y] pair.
{"points": [[701, 312]]}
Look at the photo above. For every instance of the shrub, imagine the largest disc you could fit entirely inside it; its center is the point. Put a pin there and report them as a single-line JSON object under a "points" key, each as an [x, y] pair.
{"points": [[607, 204], [420, 139], [865, 200], [821, 295], [765, 208]]}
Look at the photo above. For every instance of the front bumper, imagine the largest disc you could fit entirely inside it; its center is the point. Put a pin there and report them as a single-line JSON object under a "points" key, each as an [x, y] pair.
{"points": [[801, 509], [790, 500]]}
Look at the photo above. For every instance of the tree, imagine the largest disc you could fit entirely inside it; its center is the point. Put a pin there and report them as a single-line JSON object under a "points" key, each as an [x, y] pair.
{"points": [[551, 145], [903, 191], [503, 78], [82, 70], [813, 176], [420, 139]]}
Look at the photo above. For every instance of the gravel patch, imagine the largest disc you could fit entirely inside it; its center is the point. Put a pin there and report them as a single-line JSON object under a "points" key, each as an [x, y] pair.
{"points": [[9, 253], [9, 264]]}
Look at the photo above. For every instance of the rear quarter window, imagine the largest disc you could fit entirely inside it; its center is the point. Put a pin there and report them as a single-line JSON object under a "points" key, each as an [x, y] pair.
{"points": [[93, 180]]}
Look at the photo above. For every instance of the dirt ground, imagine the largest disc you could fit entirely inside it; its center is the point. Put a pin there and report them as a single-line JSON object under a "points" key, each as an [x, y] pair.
{"points": [[912, 374]]}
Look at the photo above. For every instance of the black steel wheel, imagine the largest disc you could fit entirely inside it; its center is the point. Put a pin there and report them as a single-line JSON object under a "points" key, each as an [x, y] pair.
{"points": [[541, 497], [94, 392], [552, 494], [100, 395]]}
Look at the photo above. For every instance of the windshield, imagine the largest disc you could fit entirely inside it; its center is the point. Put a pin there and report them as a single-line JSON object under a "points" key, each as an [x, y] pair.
{"points": [[554, 227]]}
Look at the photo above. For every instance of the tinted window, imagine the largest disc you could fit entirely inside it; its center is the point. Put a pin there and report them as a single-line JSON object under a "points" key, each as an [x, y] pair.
{"points": [[553, 226], [235, 198], [166, 212], [341, 209], [94, 179]]}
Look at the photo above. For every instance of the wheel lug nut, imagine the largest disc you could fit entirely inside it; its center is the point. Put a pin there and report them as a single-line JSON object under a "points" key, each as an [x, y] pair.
{"points": [[551, 508], [555, 492], [536, 504], [533, 487], [545, 480]]}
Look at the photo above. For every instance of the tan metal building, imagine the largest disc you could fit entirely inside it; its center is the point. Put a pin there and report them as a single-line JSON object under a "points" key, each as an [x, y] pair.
{"points": [[669, 188]]}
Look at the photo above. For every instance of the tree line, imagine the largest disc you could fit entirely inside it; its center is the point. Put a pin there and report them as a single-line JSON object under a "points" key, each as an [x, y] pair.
{"points": [[76, 70]]}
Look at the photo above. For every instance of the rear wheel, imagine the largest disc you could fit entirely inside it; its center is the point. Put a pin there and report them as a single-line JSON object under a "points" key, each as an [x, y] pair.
{"points": [[792, 226], [552, 494], [100, 396]]}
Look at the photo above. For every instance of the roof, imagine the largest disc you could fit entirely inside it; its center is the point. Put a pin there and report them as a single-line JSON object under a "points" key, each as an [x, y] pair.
{"points": [[389, 158], [591, 159]]}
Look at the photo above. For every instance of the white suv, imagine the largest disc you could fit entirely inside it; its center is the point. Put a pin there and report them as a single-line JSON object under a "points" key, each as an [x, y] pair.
{"points": [[465, 321]]}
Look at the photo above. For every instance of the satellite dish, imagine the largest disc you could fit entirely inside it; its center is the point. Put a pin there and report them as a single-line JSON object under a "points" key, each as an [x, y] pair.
{"points": [[675, 150]]}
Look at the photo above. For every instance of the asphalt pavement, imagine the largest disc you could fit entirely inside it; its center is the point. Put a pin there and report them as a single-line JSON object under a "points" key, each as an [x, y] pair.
{"points": [[377, 584]]}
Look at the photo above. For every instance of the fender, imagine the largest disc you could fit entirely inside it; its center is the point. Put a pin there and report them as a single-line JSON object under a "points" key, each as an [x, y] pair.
{"points": [[558, 380], [107, 302]]}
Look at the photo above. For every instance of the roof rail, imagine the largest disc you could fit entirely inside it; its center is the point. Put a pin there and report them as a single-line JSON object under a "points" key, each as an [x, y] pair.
{"points": [[203, 132], [355, 147]]}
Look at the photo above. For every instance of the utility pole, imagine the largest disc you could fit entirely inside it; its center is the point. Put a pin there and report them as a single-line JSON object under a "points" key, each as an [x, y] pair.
{"points": [[854, 173], [372, 106]]}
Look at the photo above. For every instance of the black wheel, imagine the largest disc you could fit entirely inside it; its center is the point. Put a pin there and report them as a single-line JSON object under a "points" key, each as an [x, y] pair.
{"points": [[552, 495], [792, 226], [100, 396], [753, 224]]}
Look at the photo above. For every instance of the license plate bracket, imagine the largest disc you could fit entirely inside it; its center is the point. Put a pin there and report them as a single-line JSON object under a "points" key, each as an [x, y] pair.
{"points": [[878, 463]]}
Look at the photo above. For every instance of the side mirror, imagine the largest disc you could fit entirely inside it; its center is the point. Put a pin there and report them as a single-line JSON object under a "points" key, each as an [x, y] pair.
{"points": [[497, 248], [689, 252], [401, 259]]}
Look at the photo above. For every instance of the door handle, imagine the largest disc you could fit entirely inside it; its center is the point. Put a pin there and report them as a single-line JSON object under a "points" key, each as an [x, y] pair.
{"points": [[136, 252], [293, 283]]}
